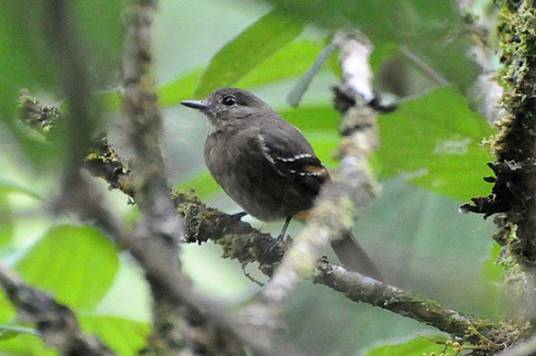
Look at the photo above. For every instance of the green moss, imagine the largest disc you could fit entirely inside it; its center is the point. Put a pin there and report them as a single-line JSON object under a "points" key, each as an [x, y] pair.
{"points": [[517, 34]]}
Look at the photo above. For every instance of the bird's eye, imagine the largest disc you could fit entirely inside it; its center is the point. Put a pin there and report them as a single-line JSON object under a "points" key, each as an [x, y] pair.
{"points": [[228, 100]]}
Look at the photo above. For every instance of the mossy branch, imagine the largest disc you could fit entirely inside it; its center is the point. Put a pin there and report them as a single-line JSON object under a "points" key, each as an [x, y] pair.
{"points": [[514, 145], [513, 196]]}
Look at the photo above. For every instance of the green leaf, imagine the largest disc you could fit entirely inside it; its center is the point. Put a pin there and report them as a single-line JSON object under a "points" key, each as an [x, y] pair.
{"points": [[258, 42], [321, 117], [432, 30], [26, 345], [123, 336], [77, 264], [417, 346], [203, 184], [179, 89], [291, 61], [434, 142]]}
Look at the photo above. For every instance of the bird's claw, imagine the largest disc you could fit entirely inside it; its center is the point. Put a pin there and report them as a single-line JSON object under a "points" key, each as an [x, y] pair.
{"points": [[274, 244]]}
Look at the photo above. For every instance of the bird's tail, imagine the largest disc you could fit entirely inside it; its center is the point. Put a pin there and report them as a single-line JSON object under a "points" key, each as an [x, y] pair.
{"points": [[354, 257]]}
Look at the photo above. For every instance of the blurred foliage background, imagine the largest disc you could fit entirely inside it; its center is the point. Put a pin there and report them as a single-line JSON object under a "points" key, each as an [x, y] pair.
{"points": [[429, 162]]}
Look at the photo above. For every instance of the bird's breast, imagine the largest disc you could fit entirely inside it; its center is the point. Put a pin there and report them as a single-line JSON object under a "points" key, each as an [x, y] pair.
{"points": [[249, 179]]}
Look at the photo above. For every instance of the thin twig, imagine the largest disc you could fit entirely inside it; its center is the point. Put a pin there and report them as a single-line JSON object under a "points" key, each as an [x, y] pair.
{"points": [[422, 65], [490, 336]]}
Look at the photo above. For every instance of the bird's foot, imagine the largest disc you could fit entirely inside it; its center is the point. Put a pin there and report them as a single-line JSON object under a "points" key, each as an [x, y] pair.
{"points": [[274, 244]]}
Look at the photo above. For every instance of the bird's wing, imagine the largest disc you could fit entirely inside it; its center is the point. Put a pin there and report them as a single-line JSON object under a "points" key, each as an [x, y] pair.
{"points": [[289, 153]]}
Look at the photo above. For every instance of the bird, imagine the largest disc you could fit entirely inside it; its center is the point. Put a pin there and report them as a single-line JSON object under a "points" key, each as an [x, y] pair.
{"points": [[267, 166]]}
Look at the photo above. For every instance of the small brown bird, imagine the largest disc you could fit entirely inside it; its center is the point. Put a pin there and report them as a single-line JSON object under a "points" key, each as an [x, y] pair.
{"points": [[267, 166]]}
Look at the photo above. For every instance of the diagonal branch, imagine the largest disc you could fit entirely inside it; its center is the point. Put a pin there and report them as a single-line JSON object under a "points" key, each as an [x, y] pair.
{"points": [[55, 322]]}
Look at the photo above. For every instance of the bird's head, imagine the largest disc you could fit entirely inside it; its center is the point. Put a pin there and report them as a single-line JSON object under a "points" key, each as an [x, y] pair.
{"points": [[229, 107]]}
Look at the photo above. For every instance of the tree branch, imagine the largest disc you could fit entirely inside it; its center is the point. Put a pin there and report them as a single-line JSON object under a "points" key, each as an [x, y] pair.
{"points": [[177, 322], [55, 322]]}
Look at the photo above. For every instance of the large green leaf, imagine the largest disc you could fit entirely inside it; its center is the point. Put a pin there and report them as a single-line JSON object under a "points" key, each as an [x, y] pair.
{"points": [[417, 346], [258, 42], [77, 264], [432, 30], [123, 336], [291, 61], [434, 142], [26, 345]]}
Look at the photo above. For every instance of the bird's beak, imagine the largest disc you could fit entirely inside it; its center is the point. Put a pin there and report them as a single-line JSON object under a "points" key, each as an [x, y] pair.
{"points": [[201, 105]]}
